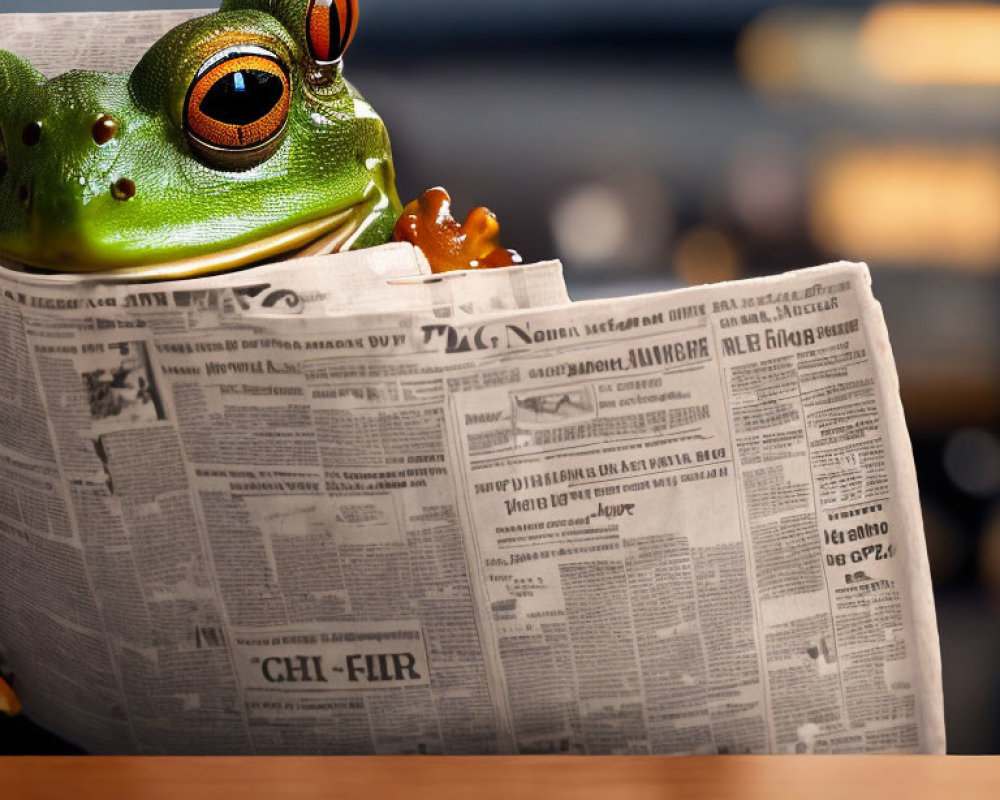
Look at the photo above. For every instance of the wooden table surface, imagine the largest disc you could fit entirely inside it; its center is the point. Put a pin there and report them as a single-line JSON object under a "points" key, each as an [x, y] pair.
{"points": [[801, 778]]}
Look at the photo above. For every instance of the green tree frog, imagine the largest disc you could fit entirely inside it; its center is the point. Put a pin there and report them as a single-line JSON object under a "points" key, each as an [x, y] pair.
{"points": [[235, 140]]}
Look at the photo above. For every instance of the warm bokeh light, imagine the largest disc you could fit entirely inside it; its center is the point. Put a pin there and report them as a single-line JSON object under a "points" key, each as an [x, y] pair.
{"points": [[886, 55], [910, 205], [625, 220], [591, 225], [800, 49], [769, 54], [949, 44], [707, 255]]}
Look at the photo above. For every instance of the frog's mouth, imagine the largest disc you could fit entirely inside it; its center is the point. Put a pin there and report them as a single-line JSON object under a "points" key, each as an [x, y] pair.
{"points": [[319, 237], [322, 236]]}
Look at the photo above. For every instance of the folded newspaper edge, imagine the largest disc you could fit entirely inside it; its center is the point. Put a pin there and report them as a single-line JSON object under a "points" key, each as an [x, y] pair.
{"points": [[237, 518]]}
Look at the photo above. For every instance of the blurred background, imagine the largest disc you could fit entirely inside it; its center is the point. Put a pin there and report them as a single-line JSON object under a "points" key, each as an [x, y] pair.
{"points": [[652, 145]]}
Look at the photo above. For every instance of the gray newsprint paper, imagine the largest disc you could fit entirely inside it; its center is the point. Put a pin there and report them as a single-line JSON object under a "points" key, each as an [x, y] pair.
{"points": [[101, 41], [339, 511]]}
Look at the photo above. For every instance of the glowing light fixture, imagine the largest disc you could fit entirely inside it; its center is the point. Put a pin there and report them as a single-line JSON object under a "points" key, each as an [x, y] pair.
{"points": [[908, 205], [946, 44]]}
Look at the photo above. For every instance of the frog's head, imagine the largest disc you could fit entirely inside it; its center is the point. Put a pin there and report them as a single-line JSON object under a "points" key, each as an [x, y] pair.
{"points": [[235, 140]]}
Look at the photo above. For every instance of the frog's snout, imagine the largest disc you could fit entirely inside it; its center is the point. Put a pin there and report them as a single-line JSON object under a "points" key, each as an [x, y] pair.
{"points": [[33, 136], [30, 137], [49, 183], [67, 166], [54, 164]]}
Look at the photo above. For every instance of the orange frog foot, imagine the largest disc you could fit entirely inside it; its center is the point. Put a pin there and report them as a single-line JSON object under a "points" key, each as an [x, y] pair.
{"points": [[9, 704], [427, 223]]}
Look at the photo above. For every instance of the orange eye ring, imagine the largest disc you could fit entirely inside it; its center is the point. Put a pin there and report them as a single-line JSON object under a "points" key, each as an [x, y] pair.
{"points": [[237, 107], [330, 28]]}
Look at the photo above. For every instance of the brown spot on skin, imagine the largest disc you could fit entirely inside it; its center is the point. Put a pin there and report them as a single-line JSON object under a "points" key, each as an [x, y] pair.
{"points": [[123, 189], [32, 134], [24, 194], [104, 129], [3, 167]]}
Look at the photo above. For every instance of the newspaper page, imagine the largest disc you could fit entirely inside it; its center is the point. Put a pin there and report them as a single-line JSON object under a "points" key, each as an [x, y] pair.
{"points": [[696, 519], [81, 329], [99, 41], [678, 523]]}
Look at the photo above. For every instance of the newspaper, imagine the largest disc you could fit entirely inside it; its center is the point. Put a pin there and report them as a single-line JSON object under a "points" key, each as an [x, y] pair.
{"points": [[99, 41], [462, 516]]}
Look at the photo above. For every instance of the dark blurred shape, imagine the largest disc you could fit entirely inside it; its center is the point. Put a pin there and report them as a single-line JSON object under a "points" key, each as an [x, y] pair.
{"points": [[765, 188], [21, 737], [947, 548], [970, 648], [988, 557], [972, 459]]}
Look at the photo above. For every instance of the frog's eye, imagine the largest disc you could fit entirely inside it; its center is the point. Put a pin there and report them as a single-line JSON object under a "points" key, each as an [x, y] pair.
{"points": [[330, 25], [237, 107]]}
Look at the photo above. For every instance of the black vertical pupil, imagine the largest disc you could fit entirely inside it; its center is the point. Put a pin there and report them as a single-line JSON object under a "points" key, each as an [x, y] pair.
{"points": [[243, 96]]}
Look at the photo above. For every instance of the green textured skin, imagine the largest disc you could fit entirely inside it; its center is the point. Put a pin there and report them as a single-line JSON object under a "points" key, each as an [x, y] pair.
{"points": [[184, 206]]}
